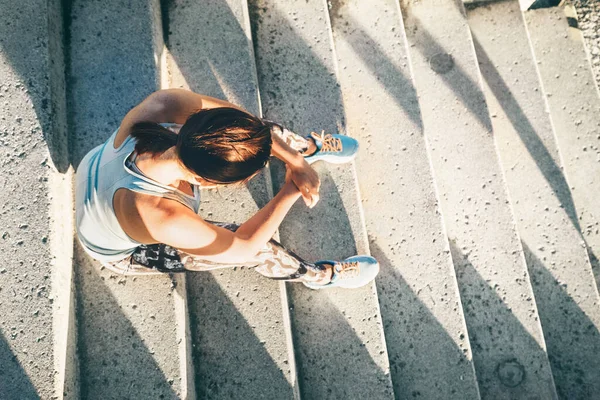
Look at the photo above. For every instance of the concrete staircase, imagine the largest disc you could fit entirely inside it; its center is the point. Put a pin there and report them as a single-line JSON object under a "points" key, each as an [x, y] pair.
{"points": [[474, 187]]}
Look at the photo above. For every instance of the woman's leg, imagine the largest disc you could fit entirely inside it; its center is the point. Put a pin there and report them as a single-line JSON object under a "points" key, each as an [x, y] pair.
{"points": [[273, 261]]}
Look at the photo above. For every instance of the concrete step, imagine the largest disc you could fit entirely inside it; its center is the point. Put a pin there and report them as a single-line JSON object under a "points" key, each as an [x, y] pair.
{"points": [[506, 337], [559, 266], [239, 325], [426, 335], [35, 207], [574, 104], [130, 330], [338, 336]]}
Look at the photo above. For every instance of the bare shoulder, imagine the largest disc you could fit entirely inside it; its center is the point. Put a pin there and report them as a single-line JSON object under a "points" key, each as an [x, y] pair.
{"points": [[151, 109]]}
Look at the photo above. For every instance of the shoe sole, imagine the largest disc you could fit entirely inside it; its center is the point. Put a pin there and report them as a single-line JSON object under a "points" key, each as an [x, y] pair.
{"points": [[335, 160]]}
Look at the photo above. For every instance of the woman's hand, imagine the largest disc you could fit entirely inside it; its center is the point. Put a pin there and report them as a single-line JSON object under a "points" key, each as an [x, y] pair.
{"points": [[306, 180]]}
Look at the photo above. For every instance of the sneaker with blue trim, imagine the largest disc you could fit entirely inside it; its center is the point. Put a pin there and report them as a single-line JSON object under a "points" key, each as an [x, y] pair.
{"points": [[333, 148], [351, 273]]}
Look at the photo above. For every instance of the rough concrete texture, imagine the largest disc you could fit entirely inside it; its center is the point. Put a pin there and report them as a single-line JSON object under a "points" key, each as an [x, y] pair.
{"points": [[127, 343], [425, 331], [502, 319], [338, 335], [574, 104], [111, 70], [588, 14], [559, 266], [127, 334], [239, 343], [31, 137]]}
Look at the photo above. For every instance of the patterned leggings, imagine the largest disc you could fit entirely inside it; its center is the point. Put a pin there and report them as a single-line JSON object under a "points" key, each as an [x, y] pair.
{"points": [[273, 261]]}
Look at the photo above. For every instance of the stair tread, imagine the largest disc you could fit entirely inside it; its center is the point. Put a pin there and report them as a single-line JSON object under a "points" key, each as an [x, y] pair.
{"points": [[574, 105], [424, 326], [559, 267], [334, 330], [29, 122], [504, 330]]}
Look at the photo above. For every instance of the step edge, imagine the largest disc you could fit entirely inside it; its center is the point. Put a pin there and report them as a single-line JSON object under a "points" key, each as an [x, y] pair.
{"points": [[439, 208], [283, 288], [538, 325], [60, 210], [180, 294], [362, 221], [569, 11]]}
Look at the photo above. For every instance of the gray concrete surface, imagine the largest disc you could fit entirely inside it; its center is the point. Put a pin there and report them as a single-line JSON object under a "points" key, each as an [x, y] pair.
{"points": [[338, 335], [501, 314], [425, 331], [588, 16], [574, 104], [559, 266], [128, 344], [33, 155], [238, 329]]}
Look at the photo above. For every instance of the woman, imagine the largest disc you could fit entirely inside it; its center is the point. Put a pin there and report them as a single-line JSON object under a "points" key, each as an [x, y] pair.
{"points": [[137, 194]]}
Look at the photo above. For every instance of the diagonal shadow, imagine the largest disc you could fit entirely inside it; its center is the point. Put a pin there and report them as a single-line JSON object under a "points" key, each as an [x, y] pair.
{"points": [[21, 30], [301, 92], [115, 363], [200, 52], [595, 264], [230, 361], [14, 382], [392, 79], [538, 151], [32, 130], [572, 339], [103, 81], [492, 324], [333, 360], [424, 359], [468, 91]]}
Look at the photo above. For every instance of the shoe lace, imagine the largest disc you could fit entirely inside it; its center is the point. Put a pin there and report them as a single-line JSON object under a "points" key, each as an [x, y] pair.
{"points": [[329, 142], [347, 269]]}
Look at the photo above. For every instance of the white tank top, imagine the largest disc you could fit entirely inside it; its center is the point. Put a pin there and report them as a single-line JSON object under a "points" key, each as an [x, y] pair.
{"points": [[100, 174]]}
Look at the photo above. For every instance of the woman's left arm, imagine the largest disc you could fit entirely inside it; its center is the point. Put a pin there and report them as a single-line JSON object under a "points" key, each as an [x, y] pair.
{"points": [[303, 175]]}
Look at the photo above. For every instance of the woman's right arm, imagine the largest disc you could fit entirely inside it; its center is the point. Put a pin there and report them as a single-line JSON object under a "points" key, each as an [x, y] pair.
{"points": [[185, 230]]}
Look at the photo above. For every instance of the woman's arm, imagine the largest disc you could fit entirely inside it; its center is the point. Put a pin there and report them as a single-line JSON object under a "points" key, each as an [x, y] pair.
{"points": [[183, 229], [303, 175]]}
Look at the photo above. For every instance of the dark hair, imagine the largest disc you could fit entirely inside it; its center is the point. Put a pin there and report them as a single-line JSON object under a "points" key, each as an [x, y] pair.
{"points": [[221, 145]]}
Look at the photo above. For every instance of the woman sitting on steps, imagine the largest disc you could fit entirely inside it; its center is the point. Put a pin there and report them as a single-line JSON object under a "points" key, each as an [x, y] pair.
{"points": [[137, 194]]}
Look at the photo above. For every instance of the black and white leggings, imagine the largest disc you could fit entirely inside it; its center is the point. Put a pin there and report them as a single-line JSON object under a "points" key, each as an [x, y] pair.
{"points": [[273, 261]]}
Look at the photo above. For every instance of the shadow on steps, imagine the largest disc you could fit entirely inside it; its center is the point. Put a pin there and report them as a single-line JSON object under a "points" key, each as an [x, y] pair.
{"points": [[230, 361], [423, 356], [521, 368], [533, 143], [572, 339], [14, 382], [393, 81], [115, 361]]}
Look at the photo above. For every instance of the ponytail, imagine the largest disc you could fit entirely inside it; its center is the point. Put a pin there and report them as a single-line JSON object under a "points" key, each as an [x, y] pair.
{"points": [[221, 145], [152, 138]]}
